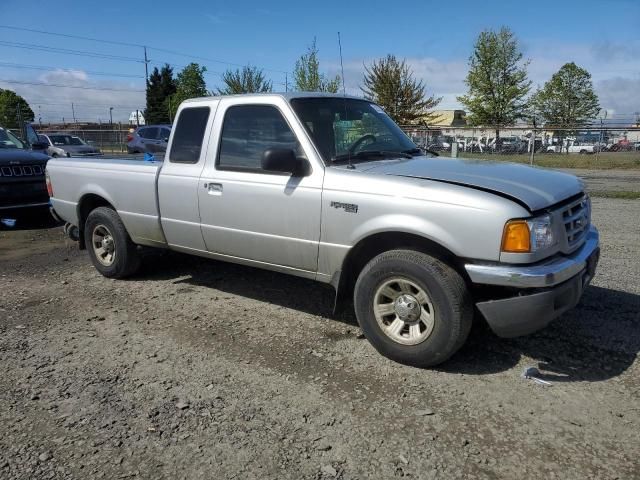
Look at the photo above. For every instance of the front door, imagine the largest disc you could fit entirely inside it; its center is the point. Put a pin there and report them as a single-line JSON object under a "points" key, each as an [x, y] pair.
{"points": [[249, 213]]}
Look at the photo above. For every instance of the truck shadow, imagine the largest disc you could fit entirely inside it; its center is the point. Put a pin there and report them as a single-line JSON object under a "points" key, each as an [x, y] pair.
{"points": [[33, 221], [596, 341]]}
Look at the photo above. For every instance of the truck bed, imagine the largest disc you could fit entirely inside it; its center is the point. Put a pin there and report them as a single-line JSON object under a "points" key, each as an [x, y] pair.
{"points": [[129, 185]]}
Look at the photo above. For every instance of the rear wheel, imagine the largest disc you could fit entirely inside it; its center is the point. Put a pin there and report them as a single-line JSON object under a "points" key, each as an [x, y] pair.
{"points": [[110, 248], [413, 308]]}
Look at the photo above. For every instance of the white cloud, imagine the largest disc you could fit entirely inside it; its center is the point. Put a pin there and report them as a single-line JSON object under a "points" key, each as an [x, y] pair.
{"points": [[52, 102], [71, 77]]}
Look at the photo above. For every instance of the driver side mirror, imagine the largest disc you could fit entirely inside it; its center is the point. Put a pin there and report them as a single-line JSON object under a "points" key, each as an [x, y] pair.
{"points": [[39, 145], [284, 160]]}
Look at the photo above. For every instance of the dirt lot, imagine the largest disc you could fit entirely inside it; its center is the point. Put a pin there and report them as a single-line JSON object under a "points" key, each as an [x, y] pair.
{"points": [[199, 369]]}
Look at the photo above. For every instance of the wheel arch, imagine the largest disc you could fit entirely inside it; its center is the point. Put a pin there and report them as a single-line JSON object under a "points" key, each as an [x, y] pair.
{"points": [[372, 245], [89, 202]]}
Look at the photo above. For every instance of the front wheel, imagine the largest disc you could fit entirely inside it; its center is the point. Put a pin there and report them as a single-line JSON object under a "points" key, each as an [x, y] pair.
{"points": [[413, 308], [110, 248]]}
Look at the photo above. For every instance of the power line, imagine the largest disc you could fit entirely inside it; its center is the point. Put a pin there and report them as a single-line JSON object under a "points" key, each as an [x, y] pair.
{"points": [[113, 42], [68, 35], [44, 84], [67, 51], [35, 102], [213, 60], [68, 70]]}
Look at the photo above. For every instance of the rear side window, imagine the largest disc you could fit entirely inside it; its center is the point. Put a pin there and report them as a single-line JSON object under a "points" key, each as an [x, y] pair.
{"points": [[248, 131], [189, 135], [150, 133]]}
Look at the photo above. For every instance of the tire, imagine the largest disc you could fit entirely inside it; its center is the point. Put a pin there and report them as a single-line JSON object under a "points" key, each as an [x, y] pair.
{"points": [[583, 152], [448, 309], [105, 232]]}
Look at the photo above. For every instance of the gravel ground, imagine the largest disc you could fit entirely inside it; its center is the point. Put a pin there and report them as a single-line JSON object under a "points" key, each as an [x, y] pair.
{"points": [[200, 369], [608, 180]]}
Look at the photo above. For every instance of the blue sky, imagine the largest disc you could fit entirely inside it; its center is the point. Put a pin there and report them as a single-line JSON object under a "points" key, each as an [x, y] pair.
{"points": [[436, 38]]}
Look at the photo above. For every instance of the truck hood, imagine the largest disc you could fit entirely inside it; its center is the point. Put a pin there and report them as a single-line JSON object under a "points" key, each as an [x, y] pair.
{"points": [[534, 187], [16, 156]]}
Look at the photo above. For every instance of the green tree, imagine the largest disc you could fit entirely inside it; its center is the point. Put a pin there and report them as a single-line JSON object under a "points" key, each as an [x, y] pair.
{"points": [[390, 84], [248, 80], [160, 86], [10, 103], [497, 81], [567, 100], [307, 76], [189, 84]]}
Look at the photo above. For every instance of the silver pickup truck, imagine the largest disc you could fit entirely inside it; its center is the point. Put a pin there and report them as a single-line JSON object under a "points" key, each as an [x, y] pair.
{"points": [[329, 188]]}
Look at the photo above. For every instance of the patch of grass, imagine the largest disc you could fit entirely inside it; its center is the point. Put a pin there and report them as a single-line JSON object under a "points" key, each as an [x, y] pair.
{"points": [[604, 161], [615, 194]]}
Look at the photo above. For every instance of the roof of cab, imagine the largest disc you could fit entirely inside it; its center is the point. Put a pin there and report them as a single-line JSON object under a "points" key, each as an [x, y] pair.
{"points": [[286, 95]]}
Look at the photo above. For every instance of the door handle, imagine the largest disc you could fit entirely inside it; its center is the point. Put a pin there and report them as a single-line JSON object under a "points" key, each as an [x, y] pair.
{"points": [[213, 188]]}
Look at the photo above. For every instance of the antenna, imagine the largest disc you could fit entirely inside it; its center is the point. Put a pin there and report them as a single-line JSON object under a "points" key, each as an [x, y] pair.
{"points": [[344, 92], [344, 96]]}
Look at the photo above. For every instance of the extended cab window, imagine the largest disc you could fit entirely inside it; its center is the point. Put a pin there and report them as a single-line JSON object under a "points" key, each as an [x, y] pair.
{"points": [[248, 131], [189, 135]]}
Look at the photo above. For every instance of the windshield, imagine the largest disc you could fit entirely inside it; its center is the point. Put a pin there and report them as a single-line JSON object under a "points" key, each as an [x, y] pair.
{"points": [[342, 128], [64, 140], [9, 140]]}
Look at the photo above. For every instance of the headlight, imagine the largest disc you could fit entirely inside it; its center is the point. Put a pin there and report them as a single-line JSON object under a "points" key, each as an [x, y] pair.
{"points": [[528, 236]]}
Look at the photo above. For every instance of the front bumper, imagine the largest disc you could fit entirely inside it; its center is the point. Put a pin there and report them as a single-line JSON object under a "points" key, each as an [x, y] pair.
{"points": [[545, 290]]}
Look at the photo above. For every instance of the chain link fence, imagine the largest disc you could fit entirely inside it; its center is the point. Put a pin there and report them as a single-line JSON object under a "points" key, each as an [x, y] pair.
{"points": [[591, 146], [533, 144], [108, 138]]}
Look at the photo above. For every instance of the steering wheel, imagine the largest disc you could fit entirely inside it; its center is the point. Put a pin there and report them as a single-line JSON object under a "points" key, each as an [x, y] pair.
{"points": [[359, 141]]}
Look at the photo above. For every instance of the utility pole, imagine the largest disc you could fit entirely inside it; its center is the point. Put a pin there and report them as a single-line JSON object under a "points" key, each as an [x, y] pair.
{"points": [[19, 118], [146, 66], [73, 113], [533, 142], [601, 135], [286, 82], [111, 116]]}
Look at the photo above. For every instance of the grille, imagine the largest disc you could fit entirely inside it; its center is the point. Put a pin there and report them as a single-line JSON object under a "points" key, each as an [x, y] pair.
{"points": [[577, 218], [20, 171]]}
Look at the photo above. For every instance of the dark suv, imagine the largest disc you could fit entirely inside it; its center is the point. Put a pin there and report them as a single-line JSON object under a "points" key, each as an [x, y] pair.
{"points": [[149, 139], [23, 188]]}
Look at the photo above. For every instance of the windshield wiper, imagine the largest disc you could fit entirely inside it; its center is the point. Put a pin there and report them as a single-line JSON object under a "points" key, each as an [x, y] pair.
{"points": [[412, 151], [365, 154]]}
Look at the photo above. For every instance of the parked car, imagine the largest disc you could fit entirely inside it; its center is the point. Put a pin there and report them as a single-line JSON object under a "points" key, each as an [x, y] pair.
{"points": [[149, 139], [572, 146], [65, 145], [22, 181], [622, 145], [419, 241]]}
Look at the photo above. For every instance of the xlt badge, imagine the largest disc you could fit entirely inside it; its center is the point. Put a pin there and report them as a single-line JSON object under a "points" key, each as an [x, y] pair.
{"points": [[347, 207]]}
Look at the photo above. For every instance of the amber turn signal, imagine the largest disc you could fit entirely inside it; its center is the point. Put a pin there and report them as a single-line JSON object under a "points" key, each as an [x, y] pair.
{"points": [[516, 237]]}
